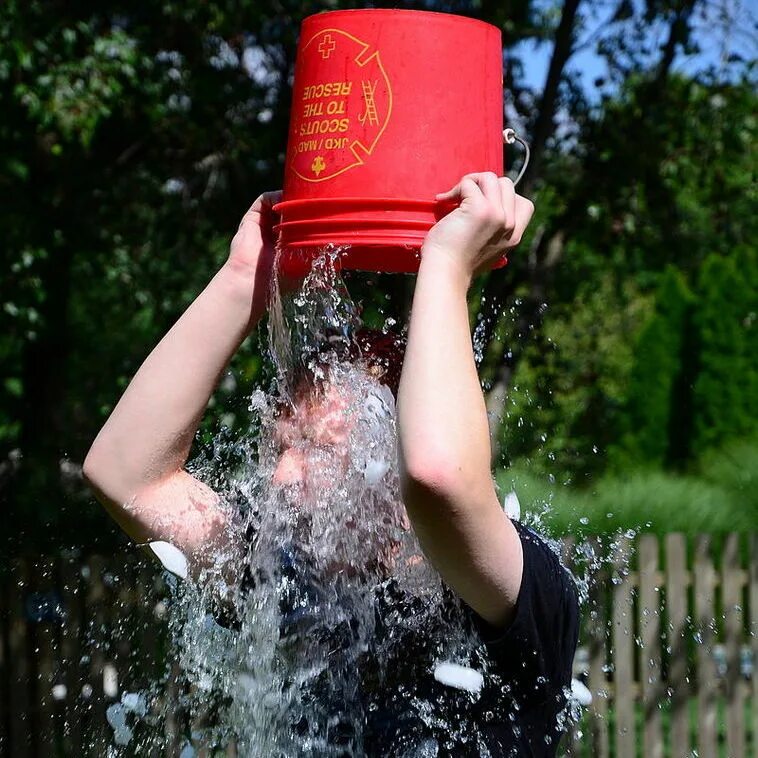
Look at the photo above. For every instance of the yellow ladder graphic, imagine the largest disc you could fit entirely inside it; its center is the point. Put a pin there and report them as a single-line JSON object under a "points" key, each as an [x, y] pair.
{"points": [[368, 95]]}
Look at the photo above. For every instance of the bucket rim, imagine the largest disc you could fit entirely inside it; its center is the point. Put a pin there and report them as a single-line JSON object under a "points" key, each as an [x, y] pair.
{"points": [[454, 17], [364, 203]]}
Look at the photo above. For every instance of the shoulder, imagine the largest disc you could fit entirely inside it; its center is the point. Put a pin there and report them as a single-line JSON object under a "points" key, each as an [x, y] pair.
{"points": [[542, 564], [540, 641], [547, 592]]}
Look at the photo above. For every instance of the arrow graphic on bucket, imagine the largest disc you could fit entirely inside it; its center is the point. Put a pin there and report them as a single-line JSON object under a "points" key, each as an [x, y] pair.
{"points": [[343, 102]]}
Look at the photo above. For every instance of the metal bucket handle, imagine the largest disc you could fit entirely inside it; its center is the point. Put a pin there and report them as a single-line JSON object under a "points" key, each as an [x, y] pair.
{"points": [[509, 137]]}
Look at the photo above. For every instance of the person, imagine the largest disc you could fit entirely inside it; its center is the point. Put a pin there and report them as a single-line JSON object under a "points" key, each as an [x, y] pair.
{"points": [[521, 601]]}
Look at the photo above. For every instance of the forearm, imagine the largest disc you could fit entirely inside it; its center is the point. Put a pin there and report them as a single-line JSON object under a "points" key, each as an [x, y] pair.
{"points": [[444, 449], [443, 433], [441, 411], [148, 435]]}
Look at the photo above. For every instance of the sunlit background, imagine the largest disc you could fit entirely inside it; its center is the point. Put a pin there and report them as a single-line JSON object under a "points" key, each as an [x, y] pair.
{"points": [[618, 350]]}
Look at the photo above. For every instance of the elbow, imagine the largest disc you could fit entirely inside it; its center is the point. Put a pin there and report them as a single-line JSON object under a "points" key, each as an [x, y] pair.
{"points": [[430, 479], [97, 471], [92, 469]]}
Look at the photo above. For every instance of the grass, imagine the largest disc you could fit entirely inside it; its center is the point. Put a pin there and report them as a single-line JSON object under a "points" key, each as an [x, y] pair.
{"points": [[719, 496]]}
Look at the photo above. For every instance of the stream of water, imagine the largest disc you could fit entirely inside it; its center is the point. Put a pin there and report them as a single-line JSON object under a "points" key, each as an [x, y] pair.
{"points": [[301, 638]]}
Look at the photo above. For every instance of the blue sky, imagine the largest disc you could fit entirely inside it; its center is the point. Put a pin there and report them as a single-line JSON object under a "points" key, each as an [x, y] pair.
{"points": [[722, 27]]}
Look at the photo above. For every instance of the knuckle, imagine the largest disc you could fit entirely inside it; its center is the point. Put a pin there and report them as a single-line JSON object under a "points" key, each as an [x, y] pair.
{"points": [[480, 211], [483, 214]]}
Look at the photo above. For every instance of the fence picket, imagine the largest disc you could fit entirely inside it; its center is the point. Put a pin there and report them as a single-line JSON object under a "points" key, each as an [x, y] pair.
{"points": [[676, 604], [71, 655], [570, 741], [623, 653], [650, 653], [5, 680], [45, 629], [753, 632], [95, 723], [707, 683], [732, 604], [598, 678]]}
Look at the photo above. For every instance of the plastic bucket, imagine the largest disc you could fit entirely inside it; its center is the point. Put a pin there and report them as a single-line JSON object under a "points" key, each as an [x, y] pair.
{"points": [[389, 108]]}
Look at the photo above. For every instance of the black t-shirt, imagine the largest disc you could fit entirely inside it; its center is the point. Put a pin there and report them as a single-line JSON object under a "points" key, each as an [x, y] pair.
{"points": [[536, 652], [386, 702], [527, 675]]}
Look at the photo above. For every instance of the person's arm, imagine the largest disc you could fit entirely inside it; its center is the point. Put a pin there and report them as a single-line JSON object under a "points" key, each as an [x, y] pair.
{"points": [[136, 463], [444, 444]]}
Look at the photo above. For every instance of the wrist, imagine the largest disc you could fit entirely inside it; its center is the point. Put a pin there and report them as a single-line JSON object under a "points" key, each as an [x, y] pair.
{"points": [[245, 288], [445, 264], [240, 274]]}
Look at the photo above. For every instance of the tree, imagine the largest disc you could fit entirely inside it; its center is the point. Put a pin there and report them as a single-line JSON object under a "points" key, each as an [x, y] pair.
{"points": [[727, 380], [658, 405], [134, 135]]}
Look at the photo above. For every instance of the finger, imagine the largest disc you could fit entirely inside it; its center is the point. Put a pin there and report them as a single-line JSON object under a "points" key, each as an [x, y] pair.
{"points": [[490, 187], [467, 187], [266, 201], [508, 197], [524, 213], [451, 194], [262, 206]]}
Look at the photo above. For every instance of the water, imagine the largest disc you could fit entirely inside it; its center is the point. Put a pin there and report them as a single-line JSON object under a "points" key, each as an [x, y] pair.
{"points": [[297, 634], [311, 622]]}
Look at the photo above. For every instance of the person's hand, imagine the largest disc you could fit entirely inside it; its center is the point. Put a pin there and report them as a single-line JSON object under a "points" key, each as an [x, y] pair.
{"points": [[252, 250], [252, 254], [489, 219]]}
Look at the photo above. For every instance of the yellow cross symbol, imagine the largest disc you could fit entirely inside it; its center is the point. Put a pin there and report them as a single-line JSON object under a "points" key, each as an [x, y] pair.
{"points": [[318, 165], [326, 48]]}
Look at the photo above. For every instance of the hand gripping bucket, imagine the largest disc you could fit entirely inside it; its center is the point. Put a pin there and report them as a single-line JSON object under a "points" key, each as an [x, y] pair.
{"points": [[389, 108]]}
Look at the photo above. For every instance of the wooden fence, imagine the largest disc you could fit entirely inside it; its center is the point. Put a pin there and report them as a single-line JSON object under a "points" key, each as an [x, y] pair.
{"points": [[669, 650]]}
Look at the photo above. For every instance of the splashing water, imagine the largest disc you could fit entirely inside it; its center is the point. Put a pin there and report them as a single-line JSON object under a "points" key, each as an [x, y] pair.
{"points": [[300, 638]]}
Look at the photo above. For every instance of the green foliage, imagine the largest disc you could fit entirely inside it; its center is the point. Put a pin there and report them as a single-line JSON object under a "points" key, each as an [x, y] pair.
{"points": [[719, 496], [73, 94], [727, 381], [569, 387], [657, 399], [665, 180], [734, 468]]}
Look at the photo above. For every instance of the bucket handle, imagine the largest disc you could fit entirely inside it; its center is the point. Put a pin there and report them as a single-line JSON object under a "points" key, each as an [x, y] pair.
{"points": [[509, 137]]}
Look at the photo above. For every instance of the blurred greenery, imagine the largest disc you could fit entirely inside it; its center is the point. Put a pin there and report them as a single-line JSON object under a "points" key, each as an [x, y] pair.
{"points": [[717, 496], [618, 348]]}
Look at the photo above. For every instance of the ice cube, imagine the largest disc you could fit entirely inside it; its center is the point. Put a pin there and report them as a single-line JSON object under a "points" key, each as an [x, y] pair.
{"points": [[115, 715], [375, 470], [173, 559], [460, 677], [59, 691], [580, 693], [134, 702], [511, 506]]}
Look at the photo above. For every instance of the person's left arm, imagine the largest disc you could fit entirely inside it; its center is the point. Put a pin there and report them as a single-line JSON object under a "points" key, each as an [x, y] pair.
{"points": [[444, 443]]}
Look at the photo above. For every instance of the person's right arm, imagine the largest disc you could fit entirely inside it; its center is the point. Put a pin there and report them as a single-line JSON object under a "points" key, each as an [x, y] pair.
{"points": [[136, 463]]}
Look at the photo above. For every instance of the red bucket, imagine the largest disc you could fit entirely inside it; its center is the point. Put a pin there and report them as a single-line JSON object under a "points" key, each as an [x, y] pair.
{"points": [[389, 108]]}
